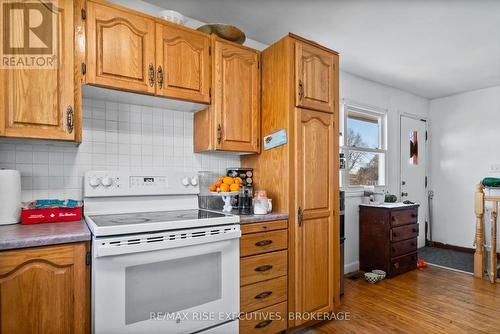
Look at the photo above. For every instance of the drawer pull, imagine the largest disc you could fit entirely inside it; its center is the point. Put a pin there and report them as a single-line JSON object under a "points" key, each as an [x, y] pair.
{"points": [[263, 243], [393, 218], [396, 265], [413, 215], [263, 324], [264, 268], [263, 295]]}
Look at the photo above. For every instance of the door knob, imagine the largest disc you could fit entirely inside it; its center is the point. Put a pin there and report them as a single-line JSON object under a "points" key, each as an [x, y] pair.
{"points": [[403, 183]]}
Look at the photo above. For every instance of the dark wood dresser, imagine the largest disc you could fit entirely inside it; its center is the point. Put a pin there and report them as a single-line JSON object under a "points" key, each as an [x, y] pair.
{"points": [[388, 238]]}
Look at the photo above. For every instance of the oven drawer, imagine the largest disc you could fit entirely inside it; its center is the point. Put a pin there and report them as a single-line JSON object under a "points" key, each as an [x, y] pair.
{"points": [[263, 294], [403, 247], [403, 264], [404, 232], [263, 242], [263, 267], [404, 217], [269, 320]]}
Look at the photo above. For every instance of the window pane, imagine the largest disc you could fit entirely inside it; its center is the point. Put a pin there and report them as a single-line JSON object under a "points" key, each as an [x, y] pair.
{"points": [[366, 168], [363, 131]]}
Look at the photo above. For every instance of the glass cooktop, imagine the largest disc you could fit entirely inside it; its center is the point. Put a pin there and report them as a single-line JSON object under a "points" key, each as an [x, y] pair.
{"points": [[153, 217]]}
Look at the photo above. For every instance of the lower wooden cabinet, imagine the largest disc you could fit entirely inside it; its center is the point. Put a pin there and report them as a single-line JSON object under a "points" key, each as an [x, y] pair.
{"points": [[263, 277], [45, 290]]}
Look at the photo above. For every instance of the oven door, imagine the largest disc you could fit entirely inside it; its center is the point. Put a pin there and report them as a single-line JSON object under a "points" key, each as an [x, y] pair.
{"points": [[170, 282]]}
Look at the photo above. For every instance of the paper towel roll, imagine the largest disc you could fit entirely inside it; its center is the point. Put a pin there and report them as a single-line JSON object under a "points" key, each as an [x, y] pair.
{"points": [[10, 196]]}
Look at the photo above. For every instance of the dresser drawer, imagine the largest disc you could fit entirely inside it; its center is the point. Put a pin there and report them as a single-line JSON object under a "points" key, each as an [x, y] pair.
{"points": [[403, 247], [269, 320], [264, 226], [404, 232], [403, 264], [259, 295], [263, 242], [404, 217], [263, 267]]}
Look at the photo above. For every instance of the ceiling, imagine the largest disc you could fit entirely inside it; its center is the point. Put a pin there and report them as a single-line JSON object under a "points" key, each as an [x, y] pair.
{"points": [[429, 48]]}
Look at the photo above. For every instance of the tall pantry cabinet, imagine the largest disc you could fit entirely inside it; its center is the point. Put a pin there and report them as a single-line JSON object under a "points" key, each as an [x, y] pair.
{"points": [[300, 93]]}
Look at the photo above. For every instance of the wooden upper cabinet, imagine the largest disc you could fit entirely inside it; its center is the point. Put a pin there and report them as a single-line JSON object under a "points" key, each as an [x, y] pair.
{"points": [[182, 63], [45, 290], [41, 102], [236, 100], [314, 77], [315, 151], [120, 48]]}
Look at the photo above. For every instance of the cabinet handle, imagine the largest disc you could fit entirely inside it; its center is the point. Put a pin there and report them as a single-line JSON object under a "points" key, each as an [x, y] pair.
{"points": [[219, 134], [151, 75], [263, 324], [70, 124], [413, 215], [300, 216], [263, 295], [264, 268], [160, 77], [263, 243], [301, 90]]}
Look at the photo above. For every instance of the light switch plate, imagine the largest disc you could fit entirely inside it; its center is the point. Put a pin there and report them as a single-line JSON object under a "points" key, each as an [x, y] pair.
{"points": [[495, 168]]}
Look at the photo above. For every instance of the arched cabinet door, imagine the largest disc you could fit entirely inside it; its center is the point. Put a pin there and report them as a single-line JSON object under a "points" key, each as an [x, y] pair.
{"points": [[45, 290], [120, 48], [236, 98], [182, 63], [314, 78], [314, 232], [37, 97]]}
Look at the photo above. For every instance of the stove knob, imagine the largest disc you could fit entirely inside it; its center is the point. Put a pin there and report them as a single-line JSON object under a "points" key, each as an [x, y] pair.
{"points": [[194, 181], [107, 181], [94, 181], [185, 181]]}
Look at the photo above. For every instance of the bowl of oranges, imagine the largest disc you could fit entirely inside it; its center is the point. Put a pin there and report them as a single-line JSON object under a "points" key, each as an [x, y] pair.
{"points": [[226, 185]]}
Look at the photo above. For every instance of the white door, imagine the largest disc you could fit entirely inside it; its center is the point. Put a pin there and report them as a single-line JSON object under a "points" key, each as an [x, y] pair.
{"points": [[413, 168]]}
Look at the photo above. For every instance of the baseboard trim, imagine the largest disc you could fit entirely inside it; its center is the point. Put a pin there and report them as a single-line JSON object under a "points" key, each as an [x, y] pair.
{"points": [[437, 244], [351, 267]]}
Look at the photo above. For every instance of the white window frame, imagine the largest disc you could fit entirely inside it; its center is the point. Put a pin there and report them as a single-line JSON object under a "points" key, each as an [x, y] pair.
{"points": [[381, 114]]}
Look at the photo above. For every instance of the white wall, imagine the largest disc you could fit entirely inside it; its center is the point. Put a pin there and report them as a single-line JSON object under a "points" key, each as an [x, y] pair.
{"points": [[116, 136], [464, 145], [395, 101]]}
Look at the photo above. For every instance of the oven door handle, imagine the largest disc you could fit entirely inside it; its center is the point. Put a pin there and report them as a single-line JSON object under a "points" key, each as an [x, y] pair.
{"points": [[158, 241]]}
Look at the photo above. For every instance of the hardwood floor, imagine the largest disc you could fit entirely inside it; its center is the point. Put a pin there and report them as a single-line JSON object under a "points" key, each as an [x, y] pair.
{"points": [[431, 301]]}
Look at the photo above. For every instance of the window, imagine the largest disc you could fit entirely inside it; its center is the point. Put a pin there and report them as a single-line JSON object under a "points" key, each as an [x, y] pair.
{"points": [[364, 146]]}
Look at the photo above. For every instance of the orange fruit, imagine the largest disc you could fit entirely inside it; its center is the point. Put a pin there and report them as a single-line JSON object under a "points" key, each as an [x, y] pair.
{"points": [[234, 187], [238, 180], [224, 188], [228, 180], [213, 187], [218, 183]]}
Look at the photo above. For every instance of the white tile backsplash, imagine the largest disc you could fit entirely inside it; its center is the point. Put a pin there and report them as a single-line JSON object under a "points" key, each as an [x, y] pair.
{"points": [[116, 136]]}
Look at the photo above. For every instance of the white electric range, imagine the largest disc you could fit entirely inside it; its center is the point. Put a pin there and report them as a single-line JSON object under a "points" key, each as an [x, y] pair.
{"points": [[160, 264]]}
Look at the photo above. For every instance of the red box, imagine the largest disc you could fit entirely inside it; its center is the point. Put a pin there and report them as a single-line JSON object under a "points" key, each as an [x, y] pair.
{"points": [[50, 215]]}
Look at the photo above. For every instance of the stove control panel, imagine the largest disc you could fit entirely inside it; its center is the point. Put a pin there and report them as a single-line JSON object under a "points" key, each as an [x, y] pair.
{"points": [[124, 183]]}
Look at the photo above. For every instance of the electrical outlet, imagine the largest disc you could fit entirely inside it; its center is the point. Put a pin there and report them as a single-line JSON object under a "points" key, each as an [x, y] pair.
{"points": [[495, 168]]}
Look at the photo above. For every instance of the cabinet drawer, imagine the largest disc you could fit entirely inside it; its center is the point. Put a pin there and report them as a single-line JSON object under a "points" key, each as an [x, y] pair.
{"points": [[264, 226], [404, 217], [263, 294], [269, 320], [263, 267], [404, 232], [263, 242], [403, 247], [403, 264]]}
